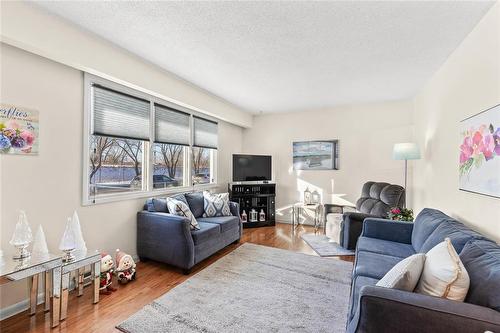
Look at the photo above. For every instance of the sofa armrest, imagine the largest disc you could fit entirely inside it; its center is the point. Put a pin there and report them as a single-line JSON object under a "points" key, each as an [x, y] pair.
{"points": [[352, 225], [235, 211], [390, 230], [235, 208], [165, 237], [390, 310]]}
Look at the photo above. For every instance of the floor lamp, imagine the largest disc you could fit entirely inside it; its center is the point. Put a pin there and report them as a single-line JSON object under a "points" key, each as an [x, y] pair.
{"points": [[406, 151]]}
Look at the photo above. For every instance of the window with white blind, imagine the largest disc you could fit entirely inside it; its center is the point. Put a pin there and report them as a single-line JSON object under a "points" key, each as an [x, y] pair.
{"points": [[137, 145]]}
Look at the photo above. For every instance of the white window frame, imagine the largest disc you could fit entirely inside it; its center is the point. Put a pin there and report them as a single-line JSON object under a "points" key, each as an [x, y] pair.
{"points": [[148, 158]]}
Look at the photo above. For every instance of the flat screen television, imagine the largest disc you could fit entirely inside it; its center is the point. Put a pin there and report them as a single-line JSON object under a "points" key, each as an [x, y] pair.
{"points": [[251, 168]]}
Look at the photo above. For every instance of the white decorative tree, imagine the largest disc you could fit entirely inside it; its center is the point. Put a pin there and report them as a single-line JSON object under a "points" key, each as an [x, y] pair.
{"points": [[79, 241], [22, 236], [68, 244], [40, 243]]}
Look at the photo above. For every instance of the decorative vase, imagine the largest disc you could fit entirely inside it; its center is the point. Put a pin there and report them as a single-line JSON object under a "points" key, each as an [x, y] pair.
{"points": [[315, 197], [253, 215], [22, 236], [307, 196], [262, 216], [67, 244]]}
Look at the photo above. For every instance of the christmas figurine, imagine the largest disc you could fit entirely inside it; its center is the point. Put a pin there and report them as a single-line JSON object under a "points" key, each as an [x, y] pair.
{"points": [[106, 274], [125, 270]]}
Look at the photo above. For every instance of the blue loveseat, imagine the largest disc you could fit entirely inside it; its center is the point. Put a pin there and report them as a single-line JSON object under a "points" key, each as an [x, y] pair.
{"points": [[168, 238], [383, 243]]}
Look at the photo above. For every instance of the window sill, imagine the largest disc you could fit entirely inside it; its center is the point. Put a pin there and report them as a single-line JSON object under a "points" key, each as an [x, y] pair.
{"points": [[102, 199]]}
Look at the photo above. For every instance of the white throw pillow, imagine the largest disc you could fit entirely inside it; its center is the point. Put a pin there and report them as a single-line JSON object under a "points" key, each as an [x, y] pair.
{"points": [[444, 275], [180, 208], [216, 204], [405, 274]]}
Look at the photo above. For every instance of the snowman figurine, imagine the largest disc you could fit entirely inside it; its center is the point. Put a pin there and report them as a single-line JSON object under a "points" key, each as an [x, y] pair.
{"points": [[125, 270], [106, 278]]}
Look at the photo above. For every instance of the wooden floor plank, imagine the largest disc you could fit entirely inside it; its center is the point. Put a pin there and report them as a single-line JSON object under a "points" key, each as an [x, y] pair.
{"points": [[153, 280]]}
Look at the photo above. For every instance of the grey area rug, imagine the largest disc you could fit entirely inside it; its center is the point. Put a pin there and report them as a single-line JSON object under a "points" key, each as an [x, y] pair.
{"points": [[253, 289], [323, 246]]}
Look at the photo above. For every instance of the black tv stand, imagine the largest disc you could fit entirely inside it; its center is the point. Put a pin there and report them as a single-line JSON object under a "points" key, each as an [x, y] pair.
{"points": [[255, 196]]}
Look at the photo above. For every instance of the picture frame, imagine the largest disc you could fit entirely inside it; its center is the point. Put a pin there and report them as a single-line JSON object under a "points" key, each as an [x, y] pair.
{"points": [[479, 153], [316, 155], [19, 130]]}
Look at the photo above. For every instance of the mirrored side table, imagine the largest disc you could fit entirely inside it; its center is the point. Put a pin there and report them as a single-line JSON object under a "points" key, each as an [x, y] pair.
{"points": [[299, 208], [33, 268], [82, 259]]}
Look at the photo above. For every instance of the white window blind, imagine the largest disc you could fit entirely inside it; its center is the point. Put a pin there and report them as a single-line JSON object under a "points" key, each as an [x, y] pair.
{"points": [[120, 115], [171, 126], [205, 133]]}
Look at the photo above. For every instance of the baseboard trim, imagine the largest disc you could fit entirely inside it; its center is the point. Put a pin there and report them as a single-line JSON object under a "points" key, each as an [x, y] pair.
{"points": [[19, 307]]}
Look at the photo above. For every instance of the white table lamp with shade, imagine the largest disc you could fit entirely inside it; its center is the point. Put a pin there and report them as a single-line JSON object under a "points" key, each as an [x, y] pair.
{"points": [[406, 151]]}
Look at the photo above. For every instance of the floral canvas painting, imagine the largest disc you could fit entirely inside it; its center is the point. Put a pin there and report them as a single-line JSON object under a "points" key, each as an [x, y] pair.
{"points": [[18, 130], [479, 161]]}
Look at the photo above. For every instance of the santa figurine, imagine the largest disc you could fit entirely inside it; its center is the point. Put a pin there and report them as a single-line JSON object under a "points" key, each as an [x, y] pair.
{"points": [[106, 274], [125, 270]]}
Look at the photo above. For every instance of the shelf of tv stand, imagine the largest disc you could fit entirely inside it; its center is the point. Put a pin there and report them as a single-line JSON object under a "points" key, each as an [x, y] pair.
{"points": [[258, 197], [249, 195], [267, 223]]}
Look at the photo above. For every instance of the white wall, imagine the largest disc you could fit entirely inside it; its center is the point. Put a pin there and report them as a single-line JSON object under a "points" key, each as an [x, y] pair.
{"points": [[467, 83], [48, 186], [366, 135], [28, 27]]}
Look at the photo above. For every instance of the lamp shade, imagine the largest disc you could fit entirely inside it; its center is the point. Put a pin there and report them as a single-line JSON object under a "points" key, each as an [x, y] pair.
{"points": [[406, 151]]}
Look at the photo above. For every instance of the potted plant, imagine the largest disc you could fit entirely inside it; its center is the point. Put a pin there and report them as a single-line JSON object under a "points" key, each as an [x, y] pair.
{"points": [[400, 214]]}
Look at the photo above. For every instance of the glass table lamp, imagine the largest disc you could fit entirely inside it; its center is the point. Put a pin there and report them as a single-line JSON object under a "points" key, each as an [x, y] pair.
{"points": [[68, 242], [22, 237]]}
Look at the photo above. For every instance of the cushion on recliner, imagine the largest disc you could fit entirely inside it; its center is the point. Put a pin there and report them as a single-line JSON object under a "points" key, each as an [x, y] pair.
{"points": [[378, 198], [458, 233], [224, 222], [481, 259], [374, 265], [207, 231], [195, 201], [425, 223], [358, 282], [385, 247]]}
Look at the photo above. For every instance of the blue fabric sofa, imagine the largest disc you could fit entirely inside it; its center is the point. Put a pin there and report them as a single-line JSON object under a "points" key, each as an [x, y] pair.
{"points": [[383, 243], [168, 238]]}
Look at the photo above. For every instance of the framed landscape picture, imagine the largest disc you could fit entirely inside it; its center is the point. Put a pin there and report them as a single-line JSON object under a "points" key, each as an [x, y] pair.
{"points": [[479, 153], [315, 155], [18, 130]]}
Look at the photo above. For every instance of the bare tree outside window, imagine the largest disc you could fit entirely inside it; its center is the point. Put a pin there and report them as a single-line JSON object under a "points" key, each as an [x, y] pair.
{"points": [[133, 149], [115, 165], [171, 155], [99, 149], [201, 165], [168, 165]]}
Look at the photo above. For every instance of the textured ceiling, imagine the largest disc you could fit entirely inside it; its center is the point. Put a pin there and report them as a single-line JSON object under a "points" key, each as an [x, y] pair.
{"points": [[287, 56]]}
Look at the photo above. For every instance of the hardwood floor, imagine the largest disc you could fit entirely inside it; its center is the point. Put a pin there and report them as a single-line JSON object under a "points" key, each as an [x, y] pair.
{"points": [[153, 280]]}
